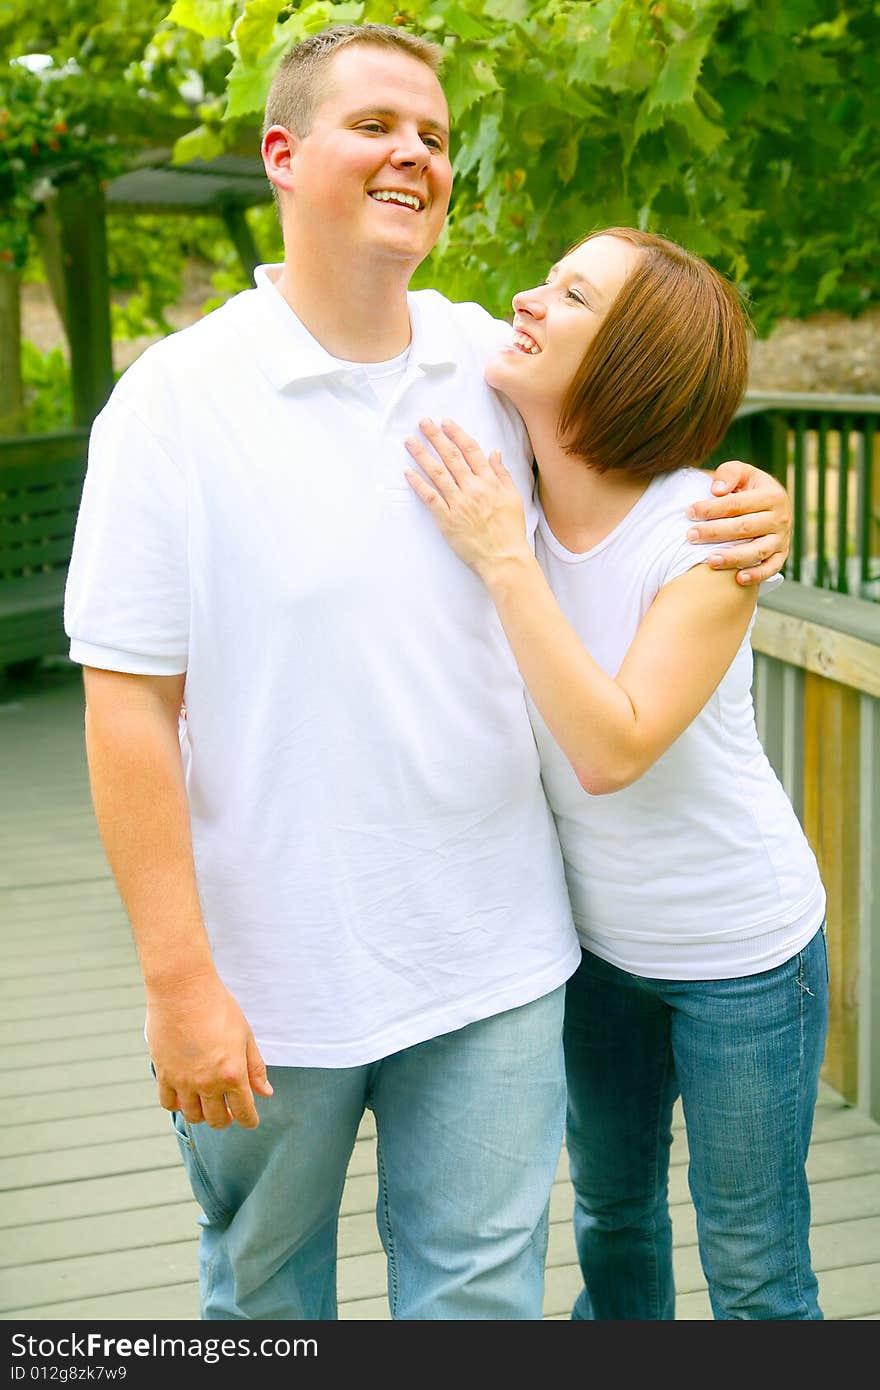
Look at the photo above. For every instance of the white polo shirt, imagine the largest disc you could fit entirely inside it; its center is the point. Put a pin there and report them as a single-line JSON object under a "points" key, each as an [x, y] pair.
{"points": [[375, 857]]}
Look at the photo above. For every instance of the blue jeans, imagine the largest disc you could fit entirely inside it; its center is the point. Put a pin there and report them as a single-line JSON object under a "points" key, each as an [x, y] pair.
{"points": [[744, 1054], [469, 1132]]}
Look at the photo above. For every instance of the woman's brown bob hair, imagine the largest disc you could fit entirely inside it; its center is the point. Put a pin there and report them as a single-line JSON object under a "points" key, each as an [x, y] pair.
{"points": [[659, 384]]}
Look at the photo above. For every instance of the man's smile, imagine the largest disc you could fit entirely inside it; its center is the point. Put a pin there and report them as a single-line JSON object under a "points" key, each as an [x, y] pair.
{"points": [[399, 198]]}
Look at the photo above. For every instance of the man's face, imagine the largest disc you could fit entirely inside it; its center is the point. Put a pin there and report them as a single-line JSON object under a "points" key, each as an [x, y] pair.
{"points": [[372, 177]]}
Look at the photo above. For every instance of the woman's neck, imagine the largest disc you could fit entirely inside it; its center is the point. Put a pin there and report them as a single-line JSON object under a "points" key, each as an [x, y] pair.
{"points": [[582, 506]]}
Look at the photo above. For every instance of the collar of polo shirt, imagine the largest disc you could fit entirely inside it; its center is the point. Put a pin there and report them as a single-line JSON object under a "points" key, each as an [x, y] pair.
{"points": [[287, 352]]}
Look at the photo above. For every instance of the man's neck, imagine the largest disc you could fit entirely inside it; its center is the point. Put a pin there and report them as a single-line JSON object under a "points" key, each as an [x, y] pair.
{"points": [[359, 314]]}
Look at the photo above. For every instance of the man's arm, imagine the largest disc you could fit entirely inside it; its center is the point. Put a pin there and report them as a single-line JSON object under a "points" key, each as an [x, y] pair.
{"points": [[205, 1056], [749, 506]]}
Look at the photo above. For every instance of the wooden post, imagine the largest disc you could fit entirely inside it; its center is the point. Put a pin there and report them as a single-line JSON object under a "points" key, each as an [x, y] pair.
{"points": [[831, 823], [48, 238], [242, 239], [11, 388], [83, 234], [768, 445]]}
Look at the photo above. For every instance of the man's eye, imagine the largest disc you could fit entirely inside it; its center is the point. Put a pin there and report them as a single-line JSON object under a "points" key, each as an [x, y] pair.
{"points": [[374, 127], [433, 142]]}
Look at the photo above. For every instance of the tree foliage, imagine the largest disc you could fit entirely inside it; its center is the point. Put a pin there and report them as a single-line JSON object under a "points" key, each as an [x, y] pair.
{"points": [[116, 80], [746, 129]]}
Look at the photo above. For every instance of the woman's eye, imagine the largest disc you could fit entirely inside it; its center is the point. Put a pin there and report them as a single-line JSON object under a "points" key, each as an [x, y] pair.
{"points": [[373, 127], [433, 143], [578, 298]]}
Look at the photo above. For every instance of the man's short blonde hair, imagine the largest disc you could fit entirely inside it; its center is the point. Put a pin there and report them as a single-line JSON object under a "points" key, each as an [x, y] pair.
{"points": [[301, 82]]}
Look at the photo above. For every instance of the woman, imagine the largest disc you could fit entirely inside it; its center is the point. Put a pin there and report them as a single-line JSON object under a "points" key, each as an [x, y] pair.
{"points": [[697, 898]]}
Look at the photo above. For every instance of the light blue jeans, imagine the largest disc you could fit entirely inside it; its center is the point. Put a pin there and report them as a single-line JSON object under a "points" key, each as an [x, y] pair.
{"points": [[745, 1056], [469, 1129]]}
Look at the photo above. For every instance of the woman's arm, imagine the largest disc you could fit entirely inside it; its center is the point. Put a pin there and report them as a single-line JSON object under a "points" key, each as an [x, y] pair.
{"points": [[610, 729]]}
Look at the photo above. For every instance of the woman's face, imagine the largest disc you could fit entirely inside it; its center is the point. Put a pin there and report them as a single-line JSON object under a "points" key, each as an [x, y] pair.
{"points": [[555, 322]]}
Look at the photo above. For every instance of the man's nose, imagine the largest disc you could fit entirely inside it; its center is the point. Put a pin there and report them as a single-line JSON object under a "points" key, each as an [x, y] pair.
{"points": [[410, 152]]}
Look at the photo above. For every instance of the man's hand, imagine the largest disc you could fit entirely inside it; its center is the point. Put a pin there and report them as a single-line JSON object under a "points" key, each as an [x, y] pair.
{"points": [[204, 1054], [749, 506]]}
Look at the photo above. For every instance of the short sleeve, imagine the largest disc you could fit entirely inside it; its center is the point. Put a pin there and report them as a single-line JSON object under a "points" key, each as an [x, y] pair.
{"points": [[683, 554], [126, 605]]}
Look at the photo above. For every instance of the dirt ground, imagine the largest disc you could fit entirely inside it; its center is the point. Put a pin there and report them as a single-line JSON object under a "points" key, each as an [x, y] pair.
{"points": [[825, 353]]}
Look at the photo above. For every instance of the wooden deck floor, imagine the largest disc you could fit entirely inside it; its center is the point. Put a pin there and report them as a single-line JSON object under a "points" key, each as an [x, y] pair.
{"points": [[96, 1217]]}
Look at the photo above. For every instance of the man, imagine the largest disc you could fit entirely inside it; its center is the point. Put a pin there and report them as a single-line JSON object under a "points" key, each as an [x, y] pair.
{"points": [[337, 859]]}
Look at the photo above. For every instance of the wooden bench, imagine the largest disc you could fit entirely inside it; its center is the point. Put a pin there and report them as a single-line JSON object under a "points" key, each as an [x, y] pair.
{"points": [[41, 478]]}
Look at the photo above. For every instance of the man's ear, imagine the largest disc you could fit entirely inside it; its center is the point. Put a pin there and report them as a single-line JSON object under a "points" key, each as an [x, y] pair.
{"points": [[278, 149]]}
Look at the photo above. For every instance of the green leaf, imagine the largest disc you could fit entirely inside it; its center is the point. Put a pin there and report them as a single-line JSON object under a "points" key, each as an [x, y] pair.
{"points": [[460, 21], [489, 155], [480, 141], [201, 143], [467, 81], [248, 87], [680, 73], [567, 159], [210, 18], [254, 29], [764, 56], [828, 283], [508, 10], [703, 133]]}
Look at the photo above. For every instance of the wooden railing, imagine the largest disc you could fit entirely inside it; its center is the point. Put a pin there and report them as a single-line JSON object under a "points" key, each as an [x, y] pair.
{"points": [[826, 451], [41, 479], [817, 697]]}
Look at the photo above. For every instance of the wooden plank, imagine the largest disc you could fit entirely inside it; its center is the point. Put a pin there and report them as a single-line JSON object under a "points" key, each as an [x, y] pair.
{"points": [[23, 529], [91, 935], [94, 1276], [849, 660], [849, 1158], [61, 985], [75, 962], [28, 451], [89, 1023], [173, 1302], [119, 1192], [27, 1171], [49, 1136], [831, 823], [364, 1309], [853, 1197], [75, 1076], [97, 1001], [822, 608], [869, 910], [134, 1094], [779, 699], [835, 402], [140, 1229]]}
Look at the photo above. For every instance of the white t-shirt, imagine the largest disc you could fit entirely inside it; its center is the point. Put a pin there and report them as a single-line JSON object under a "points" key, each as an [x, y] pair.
{"points": [[376, 861], [700, 869]]}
